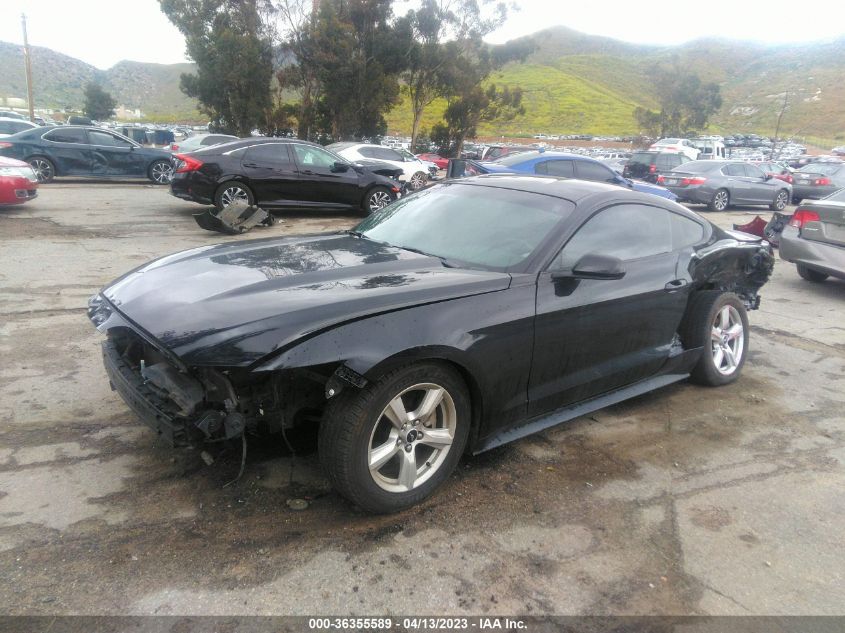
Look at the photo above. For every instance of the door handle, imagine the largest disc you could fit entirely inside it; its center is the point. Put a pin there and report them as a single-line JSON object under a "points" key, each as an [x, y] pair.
{"points": [[675, 284], [251, 165]]}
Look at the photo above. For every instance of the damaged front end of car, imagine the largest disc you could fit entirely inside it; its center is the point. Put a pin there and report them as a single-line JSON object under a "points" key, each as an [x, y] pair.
{"points": [[197, 405]]}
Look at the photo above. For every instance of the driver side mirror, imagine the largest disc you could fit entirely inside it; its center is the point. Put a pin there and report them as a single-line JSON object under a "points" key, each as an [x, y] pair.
{"points": [[340, 167], [593, 266]]}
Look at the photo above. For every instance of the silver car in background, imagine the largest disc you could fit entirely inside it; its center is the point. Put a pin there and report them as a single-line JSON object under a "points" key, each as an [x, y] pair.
{"points": [[721, 183], [814, 239]]}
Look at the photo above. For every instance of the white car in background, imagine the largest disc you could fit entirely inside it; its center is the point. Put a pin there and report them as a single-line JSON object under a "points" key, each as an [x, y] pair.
{"points": [[680, 145], [414, 171]]}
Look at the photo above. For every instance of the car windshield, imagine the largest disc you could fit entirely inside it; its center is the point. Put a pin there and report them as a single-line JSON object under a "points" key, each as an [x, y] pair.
{"points": [[487, 227], [825, 169]]}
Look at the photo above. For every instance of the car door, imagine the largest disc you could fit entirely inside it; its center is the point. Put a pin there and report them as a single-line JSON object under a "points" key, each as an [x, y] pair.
{"points": [[68, 148], [272, 175], [112, 155], [761, 189], [327, 180], [737, 183], [593, 336]]}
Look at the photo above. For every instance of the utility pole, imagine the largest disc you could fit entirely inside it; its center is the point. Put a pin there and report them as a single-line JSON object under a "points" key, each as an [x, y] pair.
{"points": [[780, 116], [27, 59]]}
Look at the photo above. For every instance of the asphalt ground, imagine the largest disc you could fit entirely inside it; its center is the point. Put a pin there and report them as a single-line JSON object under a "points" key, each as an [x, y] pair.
{"points": [[684, 501]]}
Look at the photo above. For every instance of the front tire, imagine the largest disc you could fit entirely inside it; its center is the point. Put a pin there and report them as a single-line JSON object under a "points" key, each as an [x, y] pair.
{"points": [[717, 322], [780, 201], [377, 198], [232, 191], [161, 172], [389, 445], [44, 169], [417, 181], [720, 200], [811, 275]]}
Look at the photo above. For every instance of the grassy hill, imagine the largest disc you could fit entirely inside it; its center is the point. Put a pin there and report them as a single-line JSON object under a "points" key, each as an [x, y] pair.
{"points": [[577, 83], [573, 83]]}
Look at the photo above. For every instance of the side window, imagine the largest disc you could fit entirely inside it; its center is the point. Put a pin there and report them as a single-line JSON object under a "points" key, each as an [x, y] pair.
{"points": [[753, 171], [310, 156], [385, 153], [563, 168], [685, 232], [683, 158], [269, 154], [626, 231], [104, 139], [70, 135], [588, 170], [663, 163], [542, 168], [367, 152], [733, 170]]}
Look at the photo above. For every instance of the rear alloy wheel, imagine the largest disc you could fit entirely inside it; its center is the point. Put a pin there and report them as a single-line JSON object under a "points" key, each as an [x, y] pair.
{"points": [[43, 168], [230, 192], [811, 275], [717, 322], [389, 445], [720, 200], [780, 201], [376, 199], [161, 172], [418, 181]]}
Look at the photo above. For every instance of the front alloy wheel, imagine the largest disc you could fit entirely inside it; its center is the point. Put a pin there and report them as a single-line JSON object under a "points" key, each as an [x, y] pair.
{"points": [[408, 446], [390, 444], [780, 201], [417, 181], [720, 200], [378, 199]]}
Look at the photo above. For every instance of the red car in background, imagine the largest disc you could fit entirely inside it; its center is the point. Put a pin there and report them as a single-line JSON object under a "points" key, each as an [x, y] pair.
{"points": [[18, 182], [437, 159], [775, 170]]}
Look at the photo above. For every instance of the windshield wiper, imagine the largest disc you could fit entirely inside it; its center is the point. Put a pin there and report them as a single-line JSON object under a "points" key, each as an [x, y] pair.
{"points": [[354, 233], [443, 260]]}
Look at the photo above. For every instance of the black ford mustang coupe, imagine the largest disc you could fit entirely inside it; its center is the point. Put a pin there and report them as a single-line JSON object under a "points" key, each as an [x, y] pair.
{"points": [[464, 316]]}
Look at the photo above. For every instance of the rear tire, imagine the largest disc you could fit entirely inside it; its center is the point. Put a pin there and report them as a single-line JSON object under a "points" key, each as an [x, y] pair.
{"points": [[717, 322], [721, 200], [811, 275], [229, 192], [417, 181], [389, 445], [780, 201], [44, 169]]}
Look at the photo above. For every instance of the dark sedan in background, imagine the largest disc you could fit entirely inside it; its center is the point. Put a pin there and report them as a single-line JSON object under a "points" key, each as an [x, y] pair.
{"points": [[814, 239], [818, 180], [70, 150], [720, 183], [275, 173]]}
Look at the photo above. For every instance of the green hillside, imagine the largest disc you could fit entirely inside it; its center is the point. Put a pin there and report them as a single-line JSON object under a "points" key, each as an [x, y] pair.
{"points": [[573, 83]]}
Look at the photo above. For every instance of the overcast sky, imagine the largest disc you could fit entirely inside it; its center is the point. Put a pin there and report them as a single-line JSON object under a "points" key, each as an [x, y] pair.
{"points": [[102, 32]]}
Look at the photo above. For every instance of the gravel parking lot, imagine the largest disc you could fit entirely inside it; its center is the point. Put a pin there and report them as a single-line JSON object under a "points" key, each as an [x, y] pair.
{"points": [[684, 501]]}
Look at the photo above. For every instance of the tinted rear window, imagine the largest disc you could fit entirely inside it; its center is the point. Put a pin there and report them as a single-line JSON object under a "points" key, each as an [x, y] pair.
{"points": [[642, 158], [825, 169], [698, 166], [69, 135]]}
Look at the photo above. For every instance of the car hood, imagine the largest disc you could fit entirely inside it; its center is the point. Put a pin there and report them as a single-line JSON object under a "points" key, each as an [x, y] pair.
{"points": [[232, 304]]}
